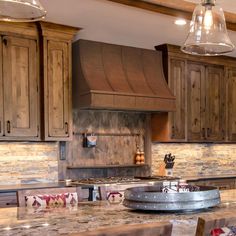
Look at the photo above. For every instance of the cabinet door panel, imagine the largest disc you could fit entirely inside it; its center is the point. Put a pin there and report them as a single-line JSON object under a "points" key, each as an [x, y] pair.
{"points": [[232, 104], [20, 87], [196, 102], [1, 91], [177, 86], [58, 104], [215, 103]]}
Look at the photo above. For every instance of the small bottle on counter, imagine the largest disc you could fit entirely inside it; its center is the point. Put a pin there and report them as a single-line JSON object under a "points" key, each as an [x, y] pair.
{"points": [[137, 157], [142, 157]]}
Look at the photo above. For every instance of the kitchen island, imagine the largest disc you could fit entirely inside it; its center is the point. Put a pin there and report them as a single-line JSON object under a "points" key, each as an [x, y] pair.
{"points": [[92, 215]]}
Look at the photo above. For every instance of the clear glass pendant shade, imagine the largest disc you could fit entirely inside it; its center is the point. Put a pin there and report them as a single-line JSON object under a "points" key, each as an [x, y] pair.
{"points": [[21, 10], [208, 33]]}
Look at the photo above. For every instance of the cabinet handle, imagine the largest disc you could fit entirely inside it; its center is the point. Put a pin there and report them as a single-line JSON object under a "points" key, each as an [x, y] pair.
{"points": [[66, 128], [203, 133], [8, 127], [208, 132], [5, 42], [223, 134], [0, 127], [172, 131]]}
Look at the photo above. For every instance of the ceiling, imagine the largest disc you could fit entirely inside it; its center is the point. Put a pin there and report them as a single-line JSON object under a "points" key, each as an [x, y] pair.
{"points": [[112, 22]]}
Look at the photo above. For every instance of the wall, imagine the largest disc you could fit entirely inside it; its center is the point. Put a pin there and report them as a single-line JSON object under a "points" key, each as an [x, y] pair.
{"points": [[116, 143], [196, 159], [25, 162]]}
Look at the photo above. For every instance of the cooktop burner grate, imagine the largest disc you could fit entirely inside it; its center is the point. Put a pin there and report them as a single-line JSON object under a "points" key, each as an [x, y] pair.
{"points": [[122, 179]]}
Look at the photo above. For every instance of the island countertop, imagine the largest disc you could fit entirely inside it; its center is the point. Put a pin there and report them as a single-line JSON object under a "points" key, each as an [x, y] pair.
{"points": [[92, 215]]}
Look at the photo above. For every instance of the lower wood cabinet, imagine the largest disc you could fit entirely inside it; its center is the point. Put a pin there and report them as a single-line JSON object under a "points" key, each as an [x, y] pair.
{"points": [[221, 184], [8, 199]]}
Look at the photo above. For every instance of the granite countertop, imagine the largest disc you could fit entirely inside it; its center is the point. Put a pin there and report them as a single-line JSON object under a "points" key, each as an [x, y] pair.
{"points": [[92, 215]]}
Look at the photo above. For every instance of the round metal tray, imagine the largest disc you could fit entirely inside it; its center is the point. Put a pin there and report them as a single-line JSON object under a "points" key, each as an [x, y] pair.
{"points": [[151, 198]]}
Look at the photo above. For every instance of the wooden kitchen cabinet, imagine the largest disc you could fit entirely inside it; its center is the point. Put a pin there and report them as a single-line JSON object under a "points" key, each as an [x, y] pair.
{"points": [[57, 81], [8, 199], [171, 126], [35, 81], [20, 79], [1, 92], [199, 84], [221, 184], [205, 103], [231, 101], [19, 76]]}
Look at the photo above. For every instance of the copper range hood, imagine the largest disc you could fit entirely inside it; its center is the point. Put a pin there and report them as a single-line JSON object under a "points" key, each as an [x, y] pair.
{"points": [[114, 77]]}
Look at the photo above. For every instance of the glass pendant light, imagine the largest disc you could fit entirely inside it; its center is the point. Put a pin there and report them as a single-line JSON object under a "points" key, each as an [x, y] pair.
{"points": [[21, 10], [208, 33]]}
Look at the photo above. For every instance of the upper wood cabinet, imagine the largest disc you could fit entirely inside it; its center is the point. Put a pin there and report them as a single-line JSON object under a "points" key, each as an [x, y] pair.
{"points": [[35, 81], [57, 87], [171, 125], [57, 81], [231, 102], [1, 91], [177, 86], [202, 112], [20, 79], [205, 103]]}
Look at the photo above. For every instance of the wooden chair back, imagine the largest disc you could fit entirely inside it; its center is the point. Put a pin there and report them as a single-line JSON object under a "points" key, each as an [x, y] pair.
{"points": [[215, 221], [21, 194], [151, 229]]}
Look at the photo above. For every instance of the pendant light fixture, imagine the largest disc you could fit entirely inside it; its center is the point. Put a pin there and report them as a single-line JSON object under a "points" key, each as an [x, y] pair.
{"points": [[21, 10], [208, 33]]}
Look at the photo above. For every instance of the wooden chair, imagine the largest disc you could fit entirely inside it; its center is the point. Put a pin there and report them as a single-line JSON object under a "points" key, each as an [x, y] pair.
{"points": [[215, 221], [151, 229], [22, 194]]}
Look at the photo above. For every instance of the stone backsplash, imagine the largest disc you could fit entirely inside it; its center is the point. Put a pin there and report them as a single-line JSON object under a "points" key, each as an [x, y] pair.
{"points": [[28, 162], [116, 143], [196, 159]]}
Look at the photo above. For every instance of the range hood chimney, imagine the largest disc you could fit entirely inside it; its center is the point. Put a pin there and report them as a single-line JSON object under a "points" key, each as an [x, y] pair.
{"points": [[114, 77]]}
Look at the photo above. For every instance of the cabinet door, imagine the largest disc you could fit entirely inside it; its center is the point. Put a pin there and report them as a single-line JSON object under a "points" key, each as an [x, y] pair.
{"points": [[231, 104], [20, 87], [1, 91], [196, 102], [177, 86], [57, 91], [215, 103]]}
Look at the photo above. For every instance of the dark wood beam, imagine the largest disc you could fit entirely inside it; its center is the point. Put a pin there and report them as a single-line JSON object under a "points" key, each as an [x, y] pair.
{"points": [[175, 8]]}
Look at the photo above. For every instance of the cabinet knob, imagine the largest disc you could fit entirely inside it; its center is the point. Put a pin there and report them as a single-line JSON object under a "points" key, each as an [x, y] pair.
{"points": [[208, 132], [66, 128], [203, 133], [172, 131], [5, 42], [8, 127]]}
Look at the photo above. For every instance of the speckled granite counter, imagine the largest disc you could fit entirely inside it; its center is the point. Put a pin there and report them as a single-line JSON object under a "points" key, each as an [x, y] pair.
{"points": [[92, 215]]}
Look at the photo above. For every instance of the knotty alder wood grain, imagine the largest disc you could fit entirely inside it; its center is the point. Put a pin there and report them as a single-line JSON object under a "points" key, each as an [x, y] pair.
{"points": [[20, 76], [231, 102]]}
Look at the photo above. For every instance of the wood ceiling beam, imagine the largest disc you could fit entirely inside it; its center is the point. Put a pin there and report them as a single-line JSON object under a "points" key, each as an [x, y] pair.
{"points": [[176, 8]]}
